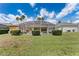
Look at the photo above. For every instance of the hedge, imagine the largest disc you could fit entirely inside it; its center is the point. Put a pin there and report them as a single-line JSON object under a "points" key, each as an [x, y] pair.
{"points": [[36, 33], [57, 32], [15, 32], [2, 31]]}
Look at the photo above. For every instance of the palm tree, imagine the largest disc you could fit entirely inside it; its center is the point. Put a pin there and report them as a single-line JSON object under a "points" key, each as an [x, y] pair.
{"points": [[59, 22], [17, 18], [21, 18], [40, 19]]}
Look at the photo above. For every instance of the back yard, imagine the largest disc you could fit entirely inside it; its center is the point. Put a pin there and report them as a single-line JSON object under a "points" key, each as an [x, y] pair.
{"points": [[45, 45]]}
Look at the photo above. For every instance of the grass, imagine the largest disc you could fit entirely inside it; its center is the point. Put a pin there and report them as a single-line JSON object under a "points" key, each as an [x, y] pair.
{"points": [[45, 45]]}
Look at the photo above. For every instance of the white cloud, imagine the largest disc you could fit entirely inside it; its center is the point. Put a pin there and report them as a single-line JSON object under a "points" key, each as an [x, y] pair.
{"points": [[52, 21], [17, 15], [30, 19], [10, 18], [77, 13], [69, 8], [68, 21], [2, 20], [77, 7], [20, 11], [76, 16], [32, 4], [43, 12], [51, 15], [76, 21]]}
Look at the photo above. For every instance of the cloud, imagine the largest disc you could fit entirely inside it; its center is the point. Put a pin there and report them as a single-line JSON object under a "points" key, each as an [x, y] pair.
{"points": [[77, 13], [76, 21], [77, 7], [52, 21], [2, 19], [10, 18], [20, 11], [30, 19], [69, 8], [43, 12], [51, 15], [32, 4]]}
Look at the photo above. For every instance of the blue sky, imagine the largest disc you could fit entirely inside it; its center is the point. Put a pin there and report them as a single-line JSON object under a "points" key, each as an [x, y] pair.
{"points": [[28, 9], [52, 12]]}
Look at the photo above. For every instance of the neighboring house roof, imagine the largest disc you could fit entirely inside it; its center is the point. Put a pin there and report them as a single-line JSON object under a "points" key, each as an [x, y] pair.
{"points": [[2, 26], [37, 24], [13, 26], [67, 25]]}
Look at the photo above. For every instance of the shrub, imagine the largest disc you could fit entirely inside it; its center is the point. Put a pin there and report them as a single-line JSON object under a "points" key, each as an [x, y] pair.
{"points": [[15, 32], [35, 33], [57, 32], [3, 31]]}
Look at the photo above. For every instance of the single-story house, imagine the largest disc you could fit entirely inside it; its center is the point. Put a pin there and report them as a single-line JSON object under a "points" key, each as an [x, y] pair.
{"points": [[42, 26], [13, 27], [3, 27], [68, 27]]}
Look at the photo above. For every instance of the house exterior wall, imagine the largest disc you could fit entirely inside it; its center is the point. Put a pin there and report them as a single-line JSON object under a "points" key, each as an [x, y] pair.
{"points": [[69, 29], [13, 28], [49, 29], [78, 28], [65, 27]]}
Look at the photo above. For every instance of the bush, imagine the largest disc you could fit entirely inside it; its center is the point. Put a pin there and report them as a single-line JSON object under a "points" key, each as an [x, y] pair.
{"points": [[3, 31], [15, 32], [57, 32], [35, 33]]}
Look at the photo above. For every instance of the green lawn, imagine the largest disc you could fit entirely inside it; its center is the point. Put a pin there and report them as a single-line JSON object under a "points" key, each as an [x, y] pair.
{"points": [[45, 45]]}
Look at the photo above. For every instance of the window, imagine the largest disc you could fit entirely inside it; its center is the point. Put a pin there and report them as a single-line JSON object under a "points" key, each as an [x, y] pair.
{"points": [[68, 30], [44, 30], [37, 28]]}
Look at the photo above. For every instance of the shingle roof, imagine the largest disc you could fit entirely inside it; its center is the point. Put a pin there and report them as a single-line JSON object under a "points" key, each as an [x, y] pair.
{"points": [[2, 26], [37, 24], [67, 25]]}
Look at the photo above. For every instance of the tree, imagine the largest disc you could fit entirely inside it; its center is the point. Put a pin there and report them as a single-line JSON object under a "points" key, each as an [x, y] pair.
{"points": [[59, 22], [21, 18], [40, 18], [17, 18]]}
